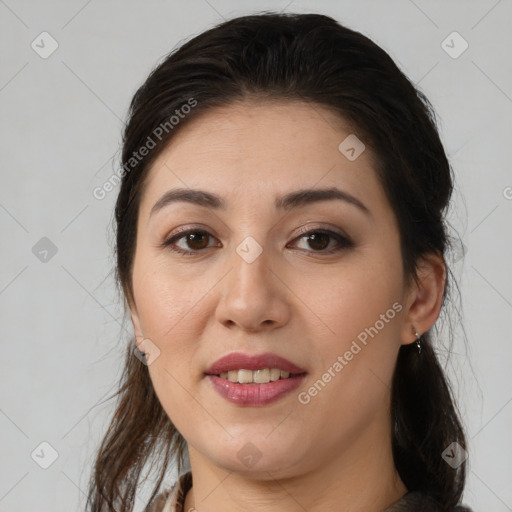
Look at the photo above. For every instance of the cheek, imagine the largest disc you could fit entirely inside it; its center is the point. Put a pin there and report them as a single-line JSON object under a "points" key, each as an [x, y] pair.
{"points": [[352, 298], [162, 298], [359, 308], [356, 347], [171, 307], [168, 310]]}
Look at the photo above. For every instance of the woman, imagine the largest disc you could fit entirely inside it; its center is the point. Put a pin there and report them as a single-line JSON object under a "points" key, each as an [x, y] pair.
{"points": [[281, 248]]}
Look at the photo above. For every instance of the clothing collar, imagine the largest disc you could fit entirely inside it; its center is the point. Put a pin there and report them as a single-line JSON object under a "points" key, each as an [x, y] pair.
{"points": [[411, 501]]}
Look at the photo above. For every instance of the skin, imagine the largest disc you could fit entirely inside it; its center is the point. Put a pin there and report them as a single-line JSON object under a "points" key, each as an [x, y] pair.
{"points": [[333, 453]]}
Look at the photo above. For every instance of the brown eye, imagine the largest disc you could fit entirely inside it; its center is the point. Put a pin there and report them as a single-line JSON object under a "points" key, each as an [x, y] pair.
{"points": [[192, 241], [319, 241], [197, 240]]}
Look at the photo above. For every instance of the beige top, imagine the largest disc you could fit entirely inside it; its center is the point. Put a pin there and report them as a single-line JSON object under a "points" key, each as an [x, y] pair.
{"points": [[173, 500]]}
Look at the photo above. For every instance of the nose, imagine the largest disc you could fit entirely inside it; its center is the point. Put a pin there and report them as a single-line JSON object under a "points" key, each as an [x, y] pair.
{"points": [[253, 295]]}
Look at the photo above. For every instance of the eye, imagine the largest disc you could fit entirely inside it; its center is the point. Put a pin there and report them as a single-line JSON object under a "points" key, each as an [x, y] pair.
{"points": [[319, 240], [195, 240]]}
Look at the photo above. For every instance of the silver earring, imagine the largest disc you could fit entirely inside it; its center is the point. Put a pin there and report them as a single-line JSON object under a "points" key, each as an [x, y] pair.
{"points": [[418, 340]]}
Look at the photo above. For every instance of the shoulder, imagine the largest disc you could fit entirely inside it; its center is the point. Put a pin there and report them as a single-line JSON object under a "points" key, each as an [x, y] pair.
{"points": [[419, 502]]}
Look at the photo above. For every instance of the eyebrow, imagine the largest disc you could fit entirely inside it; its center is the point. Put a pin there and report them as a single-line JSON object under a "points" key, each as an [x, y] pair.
{"points": [[287, 202]]}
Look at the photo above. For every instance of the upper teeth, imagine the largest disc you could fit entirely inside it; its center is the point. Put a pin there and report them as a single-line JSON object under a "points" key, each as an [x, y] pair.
{"points": [[258, 376]]}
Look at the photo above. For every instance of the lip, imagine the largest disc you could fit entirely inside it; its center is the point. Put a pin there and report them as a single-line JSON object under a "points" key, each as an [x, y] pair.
{"points": [[255, 395], [241, 361]]}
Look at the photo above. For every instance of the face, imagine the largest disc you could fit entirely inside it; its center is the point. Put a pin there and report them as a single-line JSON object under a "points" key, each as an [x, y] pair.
{"points": [[315, 279]]}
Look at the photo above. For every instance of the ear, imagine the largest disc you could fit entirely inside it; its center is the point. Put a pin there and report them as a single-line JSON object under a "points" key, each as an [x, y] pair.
{"points": [[137, 328], [425, 297]]}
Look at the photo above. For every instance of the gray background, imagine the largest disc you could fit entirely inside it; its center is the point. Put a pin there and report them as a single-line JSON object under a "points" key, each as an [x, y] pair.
{"points": [[61, 116]]}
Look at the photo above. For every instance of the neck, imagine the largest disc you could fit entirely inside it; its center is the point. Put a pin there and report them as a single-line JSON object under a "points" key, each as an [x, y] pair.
{"points": [[364, 478]]}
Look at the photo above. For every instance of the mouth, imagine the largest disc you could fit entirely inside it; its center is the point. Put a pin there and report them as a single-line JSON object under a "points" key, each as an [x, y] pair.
{"points": [[258, 368], [254, 380], [263, 376]]}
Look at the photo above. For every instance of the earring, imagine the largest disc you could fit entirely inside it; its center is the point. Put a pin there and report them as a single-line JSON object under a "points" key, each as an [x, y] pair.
{"points": [[139, 339], [418, 340]]}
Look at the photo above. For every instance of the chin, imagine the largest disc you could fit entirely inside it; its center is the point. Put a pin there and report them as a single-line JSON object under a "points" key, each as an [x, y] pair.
{"points": [[258, 458]]}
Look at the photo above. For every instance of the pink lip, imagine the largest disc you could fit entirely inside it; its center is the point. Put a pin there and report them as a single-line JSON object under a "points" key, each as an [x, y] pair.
{"points": [[255, 394], [241, 361]]}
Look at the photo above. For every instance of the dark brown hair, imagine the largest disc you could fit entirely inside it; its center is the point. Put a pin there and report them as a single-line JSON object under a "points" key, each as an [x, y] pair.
{"points": [[312, 58]]}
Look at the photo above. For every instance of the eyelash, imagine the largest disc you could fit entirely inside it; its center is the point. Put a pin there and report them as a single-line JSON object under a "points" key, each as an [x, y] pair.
{"points": [[343, 241]]}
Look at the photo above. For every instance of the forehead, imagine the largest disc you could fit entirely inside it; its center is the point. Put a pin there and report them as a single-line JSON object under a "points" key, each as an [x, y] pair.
{"points": [[262, 150]]}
